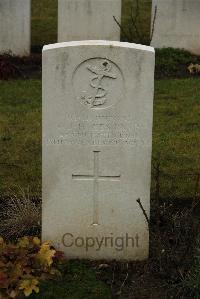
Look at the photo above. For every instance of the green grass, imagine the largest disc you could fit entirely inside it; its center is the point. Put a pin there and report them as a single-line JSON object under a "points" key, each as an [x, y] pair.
{"points": [[20, 135], [143, 21], [176, 140], [44, 22], [79, 282]]}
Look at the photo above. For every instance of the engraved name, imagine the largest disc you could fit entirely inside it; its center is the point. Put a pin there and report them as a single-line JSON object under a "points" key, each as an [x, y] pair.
{"points": [[103, 130]]}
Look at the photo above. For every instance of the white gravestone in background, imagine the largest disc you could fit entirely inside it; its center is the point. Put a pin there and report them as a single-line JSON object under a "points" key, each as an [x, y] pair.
{"points": [[88, 19], [177, 24], [15, 27], [97, 138]]}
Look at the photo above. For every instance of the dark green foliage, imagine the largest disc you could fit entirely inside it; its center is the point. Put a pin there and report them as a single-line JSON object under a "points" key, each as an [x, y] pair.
{"points": [[78, 282], [7, 68], [173, 63]]}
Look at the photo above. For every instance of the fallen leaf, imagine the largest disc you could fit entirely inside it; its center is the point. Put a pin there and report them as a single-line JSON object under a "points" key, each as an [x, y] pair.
{"points": [[28, 286], [23, 242], [46, 254]]}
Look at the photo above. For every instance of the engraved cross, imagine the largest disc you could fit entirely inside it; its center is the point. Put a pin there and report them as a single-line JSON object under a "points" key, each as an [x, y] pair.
{"points": [[95, 177]]}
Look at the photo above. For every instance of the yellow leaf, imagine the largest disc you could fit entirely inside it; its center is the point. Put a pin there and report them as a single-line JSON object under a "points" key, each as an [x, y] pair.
{"points": [[36, 241], [23, 242], [46, 254], [28, 286]]}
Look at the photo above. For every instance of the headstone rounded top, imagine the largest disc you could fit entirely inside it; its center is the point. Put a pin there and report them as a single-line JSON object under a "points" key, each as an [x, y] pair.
{"points": [[99, 43]]}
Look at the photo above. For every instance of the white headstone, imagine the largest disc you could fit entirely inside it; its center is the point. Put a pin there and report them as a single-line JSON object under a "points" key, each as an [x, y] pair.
{"points": [[97, 136], [177, 24], [15, 29], [88, 19]]}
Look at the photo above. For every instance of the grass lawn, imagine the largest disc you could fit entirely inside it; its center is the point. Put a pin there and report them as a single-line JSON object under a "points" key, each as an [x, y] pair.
{"points": [[129, 13], [176, 140], [176, 136], [78, 282], [20, 135], [44, 22]]}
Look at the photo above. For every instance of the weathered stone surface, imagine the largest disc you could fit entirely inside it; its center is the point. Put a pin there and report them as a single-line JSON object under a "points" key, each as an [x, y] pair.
{"points": [[177, 24], [97, 136], [15, 28], [88, 20]]}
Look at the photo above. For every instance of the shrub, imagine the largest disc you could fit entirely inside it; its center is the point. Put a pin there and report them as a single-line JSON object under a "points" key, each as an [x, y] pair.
{"points": [[24, 264], [20, 216], [7, 68]]}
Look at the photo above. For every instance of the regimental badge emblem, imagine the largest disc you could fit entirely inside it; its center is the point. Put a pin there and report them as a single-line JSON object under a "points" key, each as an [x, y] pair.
{"points": [[98, 83]]}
